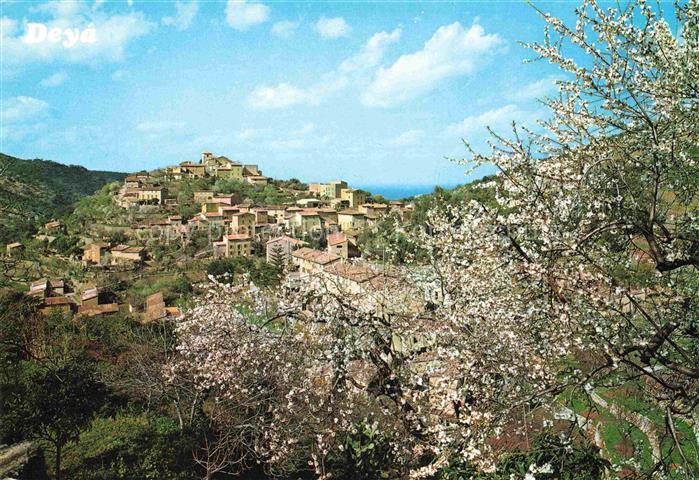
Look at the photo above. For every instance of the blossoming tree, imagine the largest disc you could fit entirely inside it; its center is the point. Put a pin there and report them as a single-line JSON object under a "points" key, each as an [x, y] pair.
{"points": [[582, 273]]}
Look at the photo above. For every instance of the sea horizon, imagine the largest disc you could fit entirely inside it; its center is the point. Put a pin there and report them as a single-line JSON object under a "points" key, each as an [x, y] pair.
{"points": [[399, 191]]}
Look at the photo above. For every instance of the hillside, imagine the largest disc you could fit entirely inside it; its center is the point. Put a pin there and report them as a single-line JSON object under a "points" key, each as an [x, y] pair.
{"points": [[34, 191]]}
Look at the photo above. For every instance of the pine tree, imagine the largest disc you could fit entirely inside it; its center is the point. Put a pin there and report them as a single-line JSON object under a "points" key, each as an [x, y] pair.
{"points": [[278, 258]]}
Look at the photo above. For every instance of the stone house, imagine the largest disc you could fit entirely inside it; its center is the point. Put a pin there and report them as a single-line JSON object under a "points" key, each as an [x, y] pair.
{"points": [[243, 223], [261, 216], [348, 277], [90, 298], [44, 287], [338, 244], [193, 170], [93, 253], [13, 249], [203, 196], [316, 189], [237, 245], [155, 307], [212, 206], [328, 218], [90, 305], [152, 195], [333, 189], [216, 219], [132, 181], [228, 212], [310, 261], [251, 171], [128, 254], [305, 222], [60, 304], [258, 180], [53, 225], [275, 213], [353, 197], [374, 209], [350, 219], [232, 170], [226, 198], [343, 245]]}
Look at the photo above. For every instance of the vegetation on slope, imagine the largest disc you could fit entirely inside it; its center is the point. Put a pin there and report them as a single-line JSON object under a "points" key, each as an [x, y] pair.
{"points": [[35, 191]]}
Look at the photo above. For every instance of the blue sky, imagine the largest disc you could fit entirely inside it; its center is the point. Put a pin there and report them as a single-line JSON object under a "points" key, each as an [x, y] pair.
{"points": [[375, 93]]}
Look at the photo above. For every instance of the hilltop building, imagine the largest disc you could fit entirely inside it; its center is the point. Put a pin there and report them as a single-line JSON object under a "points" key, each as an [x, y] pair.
{"points": [[353, 197]]}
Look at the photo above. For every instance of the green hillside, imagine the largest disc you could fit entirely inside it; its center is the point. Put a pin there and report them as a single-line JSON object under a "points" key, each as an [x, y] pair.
{"points": [[34, 191]]}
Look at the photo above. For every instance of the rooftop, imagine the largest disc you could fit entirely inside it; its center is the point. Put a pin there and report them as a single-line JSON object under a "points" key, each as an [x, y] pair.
{"points": [[350, 271], [238, 237], [315, 256], [286, 238], [336, 238], [90, 293]]}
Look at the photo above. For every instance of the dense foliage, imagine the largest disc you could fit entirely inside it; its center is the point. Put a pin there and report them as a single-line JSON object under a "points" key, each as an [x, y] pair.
{"points": [[34, 191]]}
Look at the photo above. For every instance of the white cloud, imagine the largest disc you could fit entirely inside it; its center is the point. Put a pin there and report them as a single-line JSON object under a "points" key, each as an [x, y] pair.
{"points": [[160, 127], [113, 34], [285, 28], [353, 69], [372, 51], [60, 9], [500, 120], [332, 27], [242, 15], [409, 137], [22, 109], [281, 96], [184, 15], [452, 51], [54, 80], [535, 90]]}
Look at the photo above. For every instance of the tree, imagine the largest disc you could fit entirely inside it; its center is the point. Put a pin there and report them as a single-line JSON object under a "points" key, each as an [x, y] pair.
{"points": [[599, 206], [58, 402], [277, 258]]}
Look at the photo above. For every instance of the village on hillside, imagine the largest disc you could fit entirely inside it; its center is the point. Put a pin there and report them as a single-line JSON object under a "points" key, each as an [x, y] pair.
{"points": [[312, 231]]}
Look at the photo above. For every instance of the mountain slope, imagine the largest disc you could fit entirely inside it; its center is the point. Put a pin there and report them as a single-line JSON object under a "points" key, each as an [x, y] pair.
{"points": [[34, 191]]}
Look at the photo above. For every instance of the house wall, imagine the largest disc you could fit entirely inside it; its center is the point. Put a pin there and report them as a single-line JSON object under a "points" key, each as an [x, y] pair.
{"points": [[341, 249], [238, 248], [244, 224]]}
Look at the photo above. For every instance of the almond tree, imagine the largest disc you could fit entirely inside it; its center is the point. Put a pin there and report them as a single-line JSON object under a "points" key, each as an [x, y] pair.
{"points": [[583, 272], [601, 209]]}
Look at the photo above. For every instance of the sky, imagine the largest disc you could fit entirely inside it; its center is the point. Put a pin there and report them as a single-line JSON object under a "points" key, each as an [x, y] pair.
{"points": [[373, 93]]}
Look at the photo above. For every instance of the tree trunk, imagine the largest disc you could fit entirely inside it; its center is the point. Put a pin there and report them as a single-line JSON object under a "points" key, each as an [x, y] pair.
{"points": [[58, 461]]}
